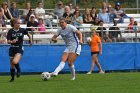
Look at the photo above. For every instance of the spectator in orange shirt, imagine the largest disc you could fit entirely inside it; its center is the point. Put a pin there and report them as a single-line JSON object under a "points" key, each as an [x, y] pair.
{"points": [[95, 48]]}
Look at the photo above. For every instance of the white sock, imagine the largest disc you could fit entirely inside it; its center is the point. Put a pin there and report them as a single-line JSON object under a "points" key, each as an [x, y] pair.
{"points": [[72, 69], [59, 68]]}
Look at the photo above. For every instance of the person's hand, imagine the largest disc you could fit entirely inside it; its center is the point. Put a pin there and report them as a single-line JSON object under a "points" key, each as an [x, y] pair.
{"points": [[80, 42], [14, 41], [54, 40], [30, 43], [100, 52]]}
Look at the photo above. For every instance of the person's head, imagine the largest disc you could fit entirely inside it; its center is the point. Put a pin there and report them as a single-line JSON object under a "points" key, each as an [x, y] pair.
{"points": [[87, 11], [103, 10], [32, 18], [60, 4], [77, 13], [13, 5], [76, 8], [67, 9], [93, 32], [131, 20], [28, 5], [31, 11], [93, 9], [135, 23], [4, 5], [104, 5], [40, 4], [101, 23], [97, 20], [63, 23], [15, 23], [109, 7], [115, 22], [40, 21], [117, 5]]}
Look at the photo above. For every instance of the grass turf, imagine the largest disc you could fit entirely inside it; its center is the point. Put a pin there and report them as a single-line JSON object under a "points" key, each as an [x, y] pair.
{"points": [[94, 83]]}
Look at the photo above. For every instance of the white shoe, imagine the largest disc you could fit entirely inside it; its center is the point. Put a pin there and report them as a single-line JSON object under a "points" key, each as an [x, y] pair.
{"points": [[88, 73], [72, 78], [101, 72], [53, 74]]}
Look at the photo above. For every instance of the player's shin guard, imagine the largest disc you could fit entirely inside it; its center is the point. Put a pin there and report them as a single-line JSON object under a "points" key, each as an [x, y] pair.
{"points": [[59, 68]]}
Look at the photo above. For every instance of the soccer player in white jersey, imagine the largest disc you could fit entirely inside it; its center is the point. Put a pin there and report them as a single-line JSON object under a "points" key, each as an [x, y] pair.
{"points": [[73, 40]]}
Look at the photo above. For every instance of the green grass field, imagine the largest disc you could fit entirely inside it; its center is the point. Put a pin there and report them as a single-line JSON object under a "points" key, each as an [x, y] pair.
{"points": [[95, 83]]}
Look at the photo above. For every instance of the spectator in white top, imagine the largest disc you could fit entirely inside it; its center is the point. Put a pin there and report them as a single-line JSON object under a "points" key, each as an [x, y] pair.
{"points": [[59, 10], [39, 11]]}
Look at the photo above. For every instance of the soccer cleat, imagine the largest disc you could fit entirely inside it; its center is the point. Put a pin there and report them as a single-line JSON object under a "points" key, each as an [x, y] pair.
{"points": [[88, 73], [101, 72], [11, 80], [53, 74], [72, 78], [18, 74]]}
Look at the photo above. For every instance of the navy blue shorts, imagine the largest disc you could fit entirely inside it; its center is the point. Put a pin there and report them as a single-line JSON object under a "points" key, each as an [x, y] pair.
{"points": [[14, 50], [92, 53]]}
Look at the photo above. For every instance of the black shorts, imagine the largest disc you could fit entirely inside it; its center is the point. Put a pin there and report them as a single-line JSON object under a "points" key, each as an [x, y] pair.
{"points": [[92, 53], [14, 50]]}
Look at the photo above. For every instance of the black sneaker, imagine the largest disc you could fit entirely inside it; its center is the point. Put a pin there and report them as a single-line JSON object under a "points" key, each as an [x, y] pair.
{"points": [[18, 74]]}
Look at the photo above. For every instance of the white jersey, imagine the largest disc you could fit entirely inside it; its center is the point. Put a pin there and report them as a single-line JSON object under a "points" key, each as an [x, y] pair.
{"points": [[68, 34]]}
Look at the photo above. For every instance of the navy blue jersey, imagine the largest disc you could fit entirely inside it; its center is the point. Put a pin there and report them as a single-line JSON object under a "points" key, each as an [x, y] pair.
{"points": [[19, 35]]}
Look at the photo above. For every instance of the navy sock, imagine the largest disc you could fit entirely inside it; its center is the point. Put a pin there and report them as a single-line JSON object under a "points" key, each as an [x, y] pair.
{"points": [[17, 67], [12, 72]]}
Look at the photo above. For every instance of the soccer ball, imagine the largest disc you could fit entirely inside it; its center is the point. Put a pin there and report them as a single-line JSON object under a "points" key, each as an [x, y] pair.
{"points": [[88, 39], [45, 76]]}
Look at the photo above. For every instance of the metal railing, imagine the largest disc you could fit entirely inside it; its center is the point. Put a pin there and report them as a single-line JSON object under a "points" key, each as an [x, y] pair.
{"points": [[125, 35]]}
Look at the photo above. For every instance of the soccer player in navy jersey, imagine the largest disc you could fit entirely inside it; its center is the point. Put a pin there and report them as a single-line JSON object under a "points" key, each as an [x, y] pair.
{"points": [[15, 38]]}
